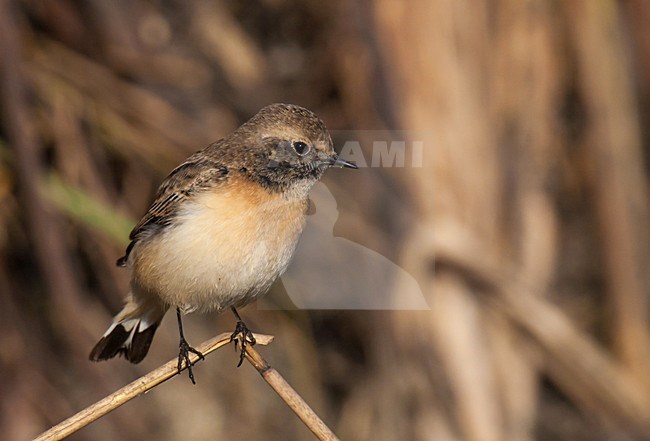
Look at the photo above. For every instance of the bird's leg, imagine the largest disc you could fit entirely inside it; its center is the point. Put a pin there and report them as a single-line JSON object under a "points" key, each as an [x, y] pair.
{"points": [[241, 333], [185, 349]]}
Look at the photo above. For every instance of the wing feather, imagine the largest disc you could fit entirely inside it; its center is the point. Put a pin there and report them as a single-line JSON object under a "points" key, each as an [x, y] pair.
{"points": [[198, 173]]}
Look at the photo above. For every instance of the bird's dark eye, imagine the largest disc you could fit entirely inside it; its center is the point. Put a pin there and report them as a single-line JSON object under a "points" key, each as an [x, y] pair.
{"points": [[301, 148]]}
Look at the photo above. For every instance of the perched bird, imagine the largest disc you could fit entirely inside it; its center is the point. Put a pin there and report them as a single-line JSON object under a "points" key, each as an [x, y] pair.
{"points": [[223, 226]]}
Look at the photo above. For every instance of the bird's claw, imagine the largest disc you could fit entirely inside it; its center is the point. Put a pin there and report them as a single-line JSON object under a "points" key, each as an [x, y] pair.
{"points": [[184, 350], [242, 336]]}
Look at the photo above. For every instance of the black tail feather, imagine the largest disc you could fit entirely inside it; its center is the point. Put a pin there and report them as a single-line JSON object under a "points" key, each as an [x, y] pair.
{"points": [[110, 345], [115, 343], [140, 344]]}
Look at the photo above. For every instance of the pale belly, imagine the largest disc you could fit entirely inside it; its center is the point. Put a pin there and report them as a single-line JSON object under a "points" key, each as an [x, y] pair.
{"points": [[223, 251]]}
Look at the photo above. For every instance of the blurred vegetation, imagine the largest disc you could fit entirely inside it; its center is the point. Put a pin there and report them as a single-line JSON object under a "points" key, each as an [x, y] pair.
{"points": [[87, 211], [527, 226]]}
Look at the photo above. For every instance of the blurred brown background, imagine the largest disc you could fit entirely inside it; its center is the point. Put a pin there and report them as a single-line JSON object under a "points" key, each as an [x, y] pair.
{"points": [[527, 227]]}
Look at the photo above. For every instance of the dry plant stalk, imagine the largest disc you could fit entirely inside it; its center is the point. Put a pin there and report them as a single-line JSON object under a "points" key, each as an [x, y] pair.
{"points": [[170, 369], [290, 396]]}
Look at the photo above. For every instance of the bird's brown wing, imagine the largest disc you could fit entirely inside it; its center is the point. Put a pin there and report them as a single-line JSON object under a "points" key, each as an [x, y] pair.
{"points": [[198, 173]]}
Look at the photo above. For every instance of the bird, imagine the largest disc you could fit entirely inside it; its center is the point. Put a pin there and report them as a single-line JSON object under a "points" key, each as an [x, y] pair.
{"points": [[222, 228]]}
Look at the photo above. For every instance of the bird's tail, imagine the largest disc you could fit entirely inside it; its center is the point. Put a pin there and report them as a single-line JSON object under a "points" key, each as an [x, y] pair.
{"points": [[131, 332]]}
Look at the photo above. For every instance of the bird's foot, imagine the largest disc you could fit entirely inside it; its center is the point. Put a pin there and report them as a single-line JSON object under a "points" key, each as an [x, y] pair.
{"points": [[184, 350], [242, 336]]}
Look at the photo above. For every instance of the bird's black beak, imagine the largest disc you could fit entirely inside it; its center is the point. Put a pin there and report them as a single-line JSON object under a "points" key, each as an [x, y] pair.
{"points": [[337, 162]]}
